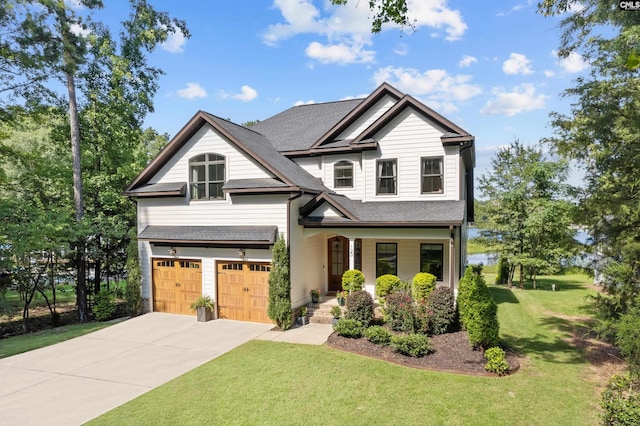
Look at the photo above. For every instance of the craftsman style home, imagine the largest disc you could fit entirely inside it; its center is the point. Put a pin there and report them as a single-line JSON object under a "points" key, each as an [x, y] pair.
{"points": [[382, 184]]}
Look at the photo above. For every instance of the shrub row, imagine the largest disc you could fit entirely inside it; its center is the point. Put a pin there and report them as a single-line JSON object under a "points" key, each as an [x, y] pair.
{"points": [[435, 315]]}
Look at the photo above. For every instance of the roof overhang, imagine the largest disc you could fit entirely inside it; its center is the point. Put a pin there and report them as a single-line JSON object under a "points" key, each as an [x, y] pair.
{"points": [[210, 236], [172, 189]]}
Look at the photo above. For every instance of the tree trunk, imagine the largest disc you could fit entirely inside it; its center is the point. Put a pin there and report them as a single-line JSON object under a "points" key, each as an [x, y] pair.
{"points": [[521, 276]]}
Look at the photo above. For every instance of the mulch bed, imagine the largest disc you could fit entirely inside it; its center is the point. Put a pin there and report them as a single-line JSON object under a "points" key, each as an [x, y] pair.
{"points": [[452, 353]]}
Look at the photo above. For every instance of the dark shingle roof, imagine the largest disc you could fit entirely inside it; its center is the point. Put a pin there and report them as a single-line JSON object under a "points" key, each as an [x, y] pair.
{"points": [[301, 126], [155, 189], [211, 234], [253, 183]]}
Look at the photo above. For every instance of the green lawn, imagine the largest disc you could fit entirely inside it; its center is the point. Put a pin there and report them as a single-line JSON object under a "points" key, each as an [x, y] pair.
{"points": [[278, 383], [28, 342]]}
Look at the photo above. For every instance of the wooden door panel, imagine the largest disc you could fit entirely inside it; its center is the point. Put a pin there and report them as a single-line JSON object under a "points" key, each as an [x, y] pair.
{"points": [[243, 291], [176, 284]]}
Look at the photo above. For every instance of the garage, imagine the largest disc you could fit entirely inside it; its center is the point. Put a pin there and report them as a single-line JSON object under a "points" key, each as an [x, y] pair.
{"points": [[176, 284], [243, 291]]}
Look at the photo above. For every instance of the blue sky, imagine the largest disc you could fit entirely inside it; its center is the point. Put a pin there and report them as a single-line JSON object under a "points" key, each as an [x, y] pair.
{"points": [[490, 68]]}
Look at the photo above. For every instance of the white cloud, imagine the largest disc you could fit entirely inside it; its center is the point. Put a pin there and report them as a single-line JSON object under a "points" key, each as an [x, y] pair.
{"points": [[309, 102], [341, 53], [436, 14], [401, 50], [175, 42], [246, 94], [517, 64], [79, 30], [520, 99], [192, 91], [438, 88], [74, 4], [573, 63], [549, 73], [466, 61]]}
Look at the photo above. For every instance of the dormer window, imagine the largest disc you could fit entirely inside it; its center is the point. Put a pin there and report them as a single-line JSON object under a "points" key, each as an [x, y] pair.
{"points": [[343, 174], [432, 175], [206, 176]]}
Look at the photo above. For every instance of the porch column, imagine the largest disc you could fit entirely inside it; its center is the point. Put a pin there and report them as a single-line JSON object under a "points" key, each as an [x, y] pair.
{"points": [[452, 259], [352, 252]]}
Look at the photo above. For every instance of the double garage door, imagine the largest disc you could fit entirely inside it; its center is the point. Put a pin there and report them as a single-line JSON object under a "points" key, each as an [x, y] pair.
{"points": [[243, 288]]}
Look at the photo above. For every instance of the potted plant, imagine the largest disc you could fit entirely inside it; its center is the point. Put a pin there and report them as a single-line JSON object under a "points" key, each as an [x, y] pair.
{"points": [[302, 319], [315, 295], [204, 306], [341, 296], [337, 313]]}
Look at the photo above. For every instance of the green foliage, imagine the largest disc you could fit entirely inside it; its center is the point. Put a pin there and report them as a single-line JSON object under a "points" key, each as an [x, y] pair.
{"points": [[360, 307], [385, 11], [628, 337], [441, 307], [348, 327], [502, 276], [203, 302], [477, 309], [378, 335], [352, 280], [399, 312], [103, 305], [386, 284], [336, 312], [279, 305], [132, 294], [423, 284], [496, 361], [621, 401], [415, 345]]}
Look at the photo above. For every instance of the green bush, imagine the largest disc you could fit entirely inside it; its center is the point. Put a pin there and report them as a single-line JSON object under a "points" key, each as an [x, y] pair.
{"points": [[349, 328], [496, 361], [423, 317], [132, 294], [386, 284], [621, 401], [399, 311], [352, 280], [477, 309], [103, 305], [360, 307], [378, 335], [279, 304], [628, 336], [423, 284], [441, 305], [502, 276], [415, 345]]}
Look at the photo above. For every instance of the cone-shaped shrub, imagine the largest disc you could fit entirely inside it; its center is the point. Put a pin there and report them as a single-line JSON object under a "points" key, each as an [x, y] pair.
{"points": [[279, 307]]}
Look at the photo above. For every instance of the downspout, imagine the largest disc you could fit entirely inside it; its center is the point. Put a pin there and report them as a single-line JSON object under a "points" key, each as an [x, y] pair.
{"points": [[452, 260]]}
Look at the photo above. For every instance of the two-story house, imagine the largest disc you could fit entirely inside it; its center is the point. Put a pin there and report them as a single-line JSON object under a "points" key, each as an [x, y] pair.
{"points": [[382, 184]]}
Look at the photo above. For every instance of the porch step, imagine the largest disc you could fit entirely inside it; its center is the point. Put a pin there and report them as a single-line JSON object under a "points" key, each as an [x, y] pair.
{"points": [[320, 313]]}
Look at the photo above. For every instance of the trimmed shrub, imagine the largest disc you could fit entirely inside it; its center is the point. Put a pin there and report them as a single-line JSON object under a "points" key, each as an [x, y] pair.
{"points": [[465, 287], [399, 312], [387, 284], [279, 304], [496, 361], [350, 328], [360, 307], [378, 335], [423, 284], [441, 305], [132, 293], [352, 280], [423, 317], [415, 345], [502, 276], [477, 309], [621, 401], [103, 306]]}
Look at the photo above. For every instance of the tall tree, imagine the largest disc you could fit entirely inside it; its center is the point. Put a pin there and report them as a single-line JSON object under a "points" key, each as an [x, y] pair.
{"points": [[527, 215], [49, 40]]}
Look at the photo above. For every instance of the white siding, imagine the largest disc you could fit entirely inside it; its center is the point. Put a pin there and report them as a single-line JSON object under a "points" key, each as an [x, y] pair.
{"points": [[368, 118], [238, 164], [408, 138], [313, 165], [355, 193]]}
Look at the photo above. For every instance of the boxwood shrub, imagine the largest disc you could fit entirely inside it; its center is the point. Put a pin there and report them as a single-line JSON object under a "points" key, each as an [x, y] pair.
{"points": [[352, 280], [621, 401], [349, 328], [386, 284], [496, 361], [422, 285], [360, 307], [378, 335], [415, 345]]}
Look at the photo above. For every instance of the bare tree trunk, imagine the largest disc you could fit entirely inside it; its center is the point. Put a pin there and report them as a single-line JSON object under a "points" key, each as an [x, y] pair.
{"points": [[521, 276]]}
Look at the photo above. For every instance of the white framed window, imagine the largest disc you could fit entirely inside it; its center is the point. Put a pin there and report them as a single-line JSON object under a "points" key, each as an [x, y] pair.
{"points": [[386, 176], [206, 176], [431, 175], [343, 174]]}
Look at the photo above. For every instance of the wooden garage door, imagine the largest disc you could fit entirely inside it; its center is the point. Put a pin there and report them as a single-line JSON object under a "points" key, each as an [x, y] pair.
{"points": [[243, 291], [176, 284]]}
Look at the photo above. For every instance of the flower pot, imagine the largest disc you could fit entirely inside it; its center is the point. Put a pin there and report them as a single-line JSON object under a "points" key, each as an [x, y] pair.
{"points": [[303, 320], [315, 298], [204, 314], [341, 301], [334, 321]]}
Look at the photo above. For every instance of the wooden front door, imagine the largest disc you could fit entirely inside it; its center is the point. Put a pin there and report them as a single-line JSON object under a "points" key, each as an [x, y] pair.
{"points": [[176, 284], [243, 291], [338, 261]]}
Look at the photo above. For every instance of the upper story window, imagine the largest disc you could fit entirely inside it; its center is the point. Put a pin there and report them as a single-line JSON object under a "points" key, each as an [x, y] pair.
{"points": [[206, 176], [386, 176], [343, 174], [431, 175]]}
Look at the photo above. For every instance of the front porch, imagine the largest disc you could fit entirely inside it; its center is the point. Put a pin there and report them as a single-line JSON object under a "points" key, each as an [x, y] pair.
{"points": [[320, 313]]}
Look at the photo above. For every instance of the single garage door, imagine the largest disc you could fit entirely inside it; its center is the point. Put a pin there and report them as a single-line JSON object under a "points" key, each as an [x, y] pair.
{"points": [[176, 284], [243, 291]]}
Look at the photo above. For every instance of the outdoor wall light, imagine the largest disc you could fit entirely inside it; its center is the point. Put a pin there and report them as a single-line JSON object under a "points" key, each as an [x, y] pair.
{"points": [[241, 253], [172, 251]]}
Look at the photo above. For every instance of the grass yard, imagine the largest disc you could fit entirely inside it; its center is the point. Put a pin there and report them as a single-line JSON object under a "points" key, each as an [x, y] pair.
{"points": [[28, 342], [278, 383]]}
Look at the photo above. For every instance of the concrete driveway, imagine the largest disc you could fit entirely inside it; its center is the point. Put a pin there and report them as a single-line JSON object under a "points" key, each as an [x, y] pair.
{"points": [[74, 381]]}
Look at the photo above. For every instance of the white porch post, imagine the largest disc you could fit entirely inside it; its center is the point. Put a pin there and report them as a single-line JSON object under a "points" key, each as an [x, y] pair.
{"points": [[452, 259], [352, 252]]}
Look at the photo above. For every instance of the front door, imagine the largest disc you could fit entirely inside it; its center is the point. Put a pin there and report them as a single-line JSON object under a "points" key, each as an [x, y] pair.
{"points": [[338, 261]]}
